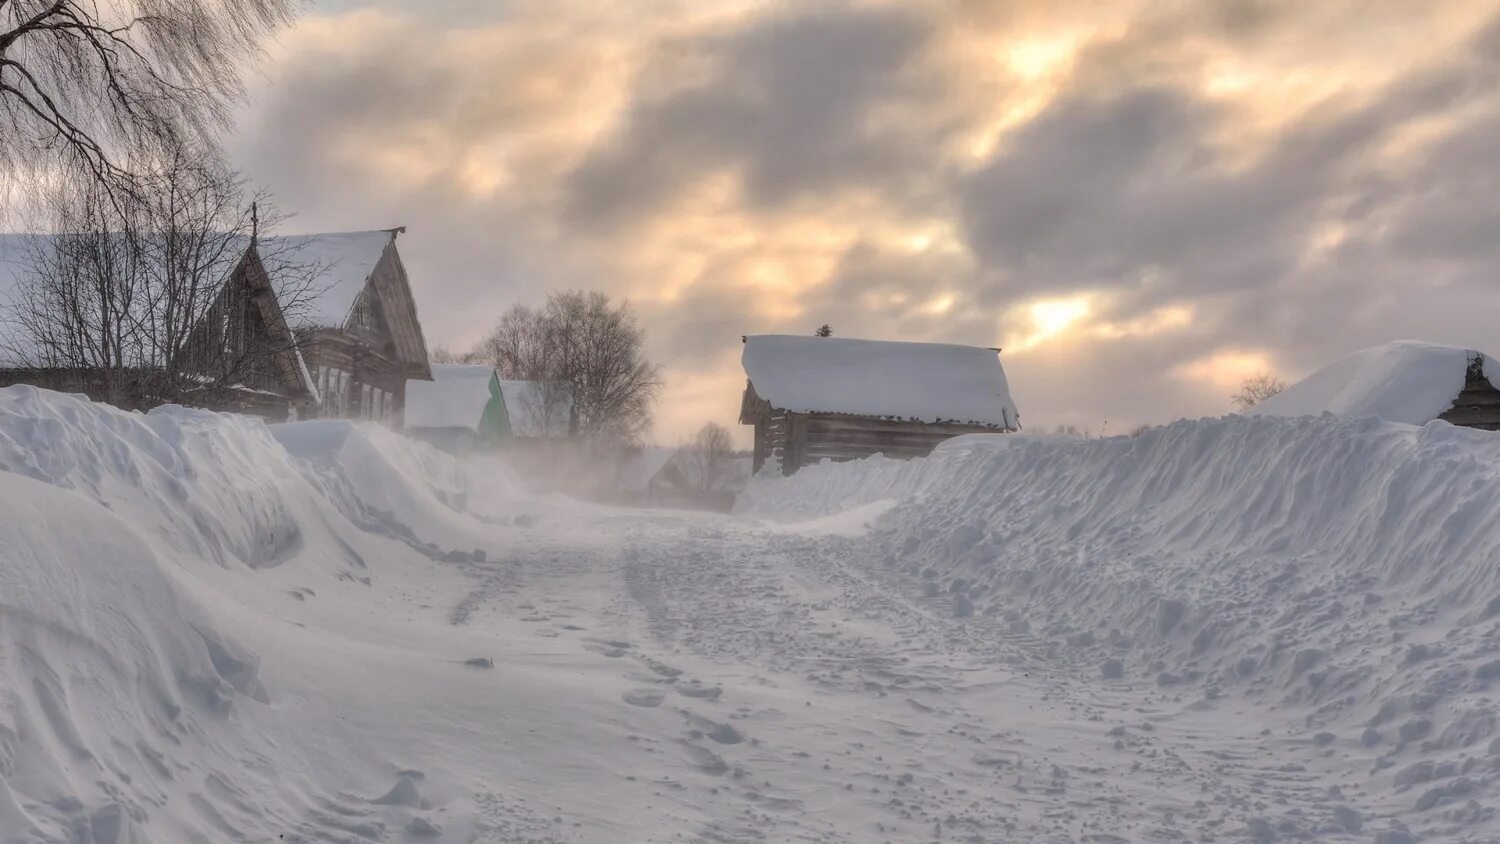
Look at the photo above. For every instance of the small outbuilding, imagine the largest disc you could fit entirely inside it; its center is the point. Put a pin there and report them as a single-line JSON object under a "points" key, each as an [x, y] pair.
{"points": [[1404, 381], [812, 398], [468, 406]]}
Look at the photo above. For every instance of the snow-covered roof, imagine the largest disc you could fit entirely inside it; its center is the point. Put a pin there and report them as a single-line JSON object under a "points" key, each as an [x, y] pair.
{"points": [[928, 382], [455, 398], [537, 408], [344, 261], [1405, 381]]}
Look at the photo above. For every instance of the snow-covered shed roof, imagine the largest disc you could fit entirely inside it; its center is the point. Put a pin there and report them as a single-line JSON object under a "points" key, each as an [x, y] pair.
{"points": [[454, 398], [927, 382], [537, 408], [1405, 381]]}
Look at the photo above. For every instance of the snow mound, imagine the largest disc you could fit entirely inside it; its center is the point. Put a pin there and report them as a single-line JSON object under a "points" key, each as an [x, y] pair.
{"points": [[109, 680], [382, 481], [1405, 381], [215, 486], [1349, 567]]}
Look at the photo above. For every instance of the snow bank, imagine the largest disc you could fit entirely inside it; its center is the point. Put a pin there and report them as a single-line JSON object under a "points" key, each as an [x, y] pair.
{"points": [[111, 680], [215, 486], [1348, 566], [1405, 381], [384, 482], [120, 694], [931, 382]]}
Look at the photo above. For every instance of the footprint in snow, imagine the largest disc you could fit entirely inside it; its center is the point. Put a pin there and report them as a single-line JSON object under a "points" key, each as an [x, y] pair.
{"points": [[721, 733], [644, 697], [699, 691], [704, 759]]}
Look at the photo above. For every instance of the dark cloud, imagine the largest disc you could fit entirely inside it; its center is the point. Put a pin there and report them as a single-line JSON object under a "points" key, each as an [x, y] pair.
{"points": [[795, 105], [1366, 215]]}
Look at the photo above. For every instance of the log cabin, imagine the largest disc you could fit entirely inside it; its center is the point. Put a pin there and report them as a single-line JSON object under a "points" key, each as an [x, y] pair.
{"points": [[345, 350], [816, 398], [361, 337], [241, 356], [1478, 403]]}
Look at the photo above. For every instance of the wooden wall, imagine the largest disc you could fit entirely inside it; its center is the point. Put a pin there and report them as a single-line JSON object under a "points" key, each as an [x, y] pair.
{"points": [[1478, 406], [799, 439]]}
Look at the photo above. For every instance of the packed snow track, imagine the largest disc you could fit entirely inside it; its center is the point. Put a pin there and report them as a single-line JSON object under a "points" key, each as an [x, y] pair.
{"points": [[1229, 630]]}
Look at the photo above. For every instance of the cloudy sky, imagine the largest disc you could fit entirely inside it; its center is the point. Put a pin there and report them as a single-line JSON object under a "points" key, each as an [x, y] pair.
{"points": [[1142, 202]]}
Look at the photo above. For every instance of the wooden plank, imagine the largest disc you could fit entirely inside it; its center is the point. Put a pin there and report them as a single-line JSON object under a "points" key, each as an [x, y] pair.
{"points": [[796, 439], [1478, 398]]}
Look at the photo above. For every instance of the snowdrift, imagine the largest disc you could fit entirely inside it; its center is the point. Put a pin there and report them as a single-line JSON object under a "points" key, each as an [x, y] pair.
{"points": [[117, 689], [1405, 381], [1350, 567]]}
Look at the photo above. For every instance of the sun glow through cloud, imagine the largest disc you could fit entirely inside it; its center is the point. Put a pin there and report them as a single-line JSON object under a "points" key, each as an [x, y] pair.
{"points": [[830, 166]]}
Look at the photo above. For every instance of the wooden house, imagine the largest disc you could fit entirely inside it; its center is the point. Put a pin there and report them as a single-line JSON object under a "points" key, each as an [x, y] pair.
{"points": [[816, 398], [245, 353], [241, 356], [1477, 405], [347, 354], [362, 339]]}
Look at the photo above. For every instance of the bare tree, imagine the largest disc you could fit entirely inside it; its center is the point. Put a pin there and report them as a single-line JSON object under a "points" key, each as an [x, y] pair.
{"points": [[581, 343], [708, 461], [135, 294], [443, 354], [1256, 389], [85, 83]]}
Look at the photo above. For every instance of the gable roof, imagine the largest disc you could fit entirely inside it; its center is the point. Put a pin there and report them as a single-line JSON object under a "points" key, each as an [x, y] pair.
{"points": [[345, 261], [927, 382], [1406, 381], [355, 264]]}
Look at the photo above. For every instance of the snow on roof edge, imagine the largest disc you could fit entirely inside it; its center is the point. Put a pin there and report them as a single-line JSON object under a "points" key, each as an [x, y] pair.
{"points": [[937, 383]]}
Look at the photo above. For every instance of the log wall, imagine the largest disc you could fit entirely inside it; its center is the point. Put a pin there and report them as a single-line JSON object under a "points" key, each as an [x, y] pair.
{"points": [[794, 440], [1478, 406]]}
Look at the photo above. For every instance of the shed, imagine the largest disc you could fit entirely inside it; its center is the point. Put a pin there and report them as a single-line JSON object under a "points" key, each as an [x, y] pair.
{"points": [[460, 408], [812, 398], [468, 405], [1404, 381]]}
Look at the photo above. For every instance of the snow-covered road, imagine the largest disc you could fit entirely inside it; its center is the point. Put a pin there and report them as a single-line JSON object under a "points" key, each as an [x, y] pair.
{"points": [[785, 685], [1239, 630]]}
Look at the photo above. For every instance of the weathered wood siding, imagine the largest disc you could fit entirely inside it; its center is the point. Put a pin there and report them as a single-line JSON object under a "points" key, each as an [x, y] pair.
{"points": [[794, 440], [1478, 406], [838, 438]]}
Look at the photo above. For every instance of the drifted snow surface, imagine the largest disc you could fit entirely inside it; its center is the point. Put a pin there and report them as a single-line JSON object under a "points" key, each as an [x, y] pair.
{"points": [[1406, 381], [1250, 629]]}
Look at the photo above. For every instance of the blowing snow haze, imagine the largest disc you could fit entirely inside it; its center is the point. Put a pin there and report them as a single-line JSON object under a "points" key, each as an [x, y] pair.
{"points": [[1142, 203]]}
